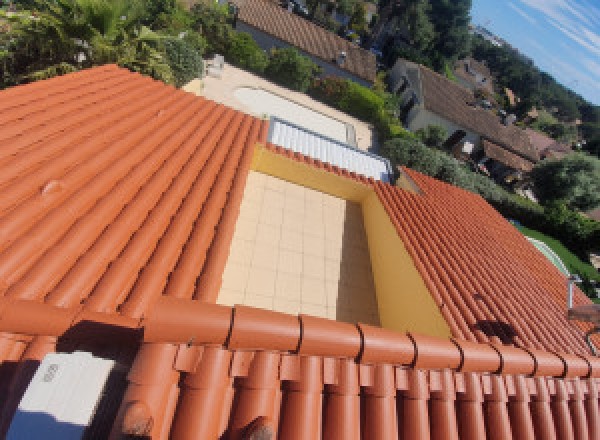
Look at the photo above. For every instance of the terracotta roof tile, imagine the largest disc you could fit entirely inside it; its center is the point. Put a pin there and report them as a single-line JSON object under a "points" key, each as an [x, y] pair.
{"points": [[453, 102], [121, 228], [491, 285], [505, 157], [276, 21]]}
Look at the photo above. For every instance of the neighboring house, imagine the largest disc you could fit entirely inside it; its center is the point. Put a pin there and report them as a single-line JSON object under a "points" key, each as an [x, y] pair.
{"points": [[476, 134], [546, 146], [166, 272], [474, 75], [274, 27]]}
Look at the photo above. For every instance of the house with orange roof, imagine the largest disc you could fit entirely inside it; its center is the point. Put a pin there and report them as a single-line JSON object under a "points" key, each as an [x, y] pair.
{"points": [[274, 27], [166, 272]]}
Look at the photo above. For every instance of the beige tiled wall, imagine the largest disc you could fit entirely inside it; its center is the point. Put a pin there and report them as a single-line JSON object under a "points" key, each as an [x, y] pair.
{"points": [[297, 250]]}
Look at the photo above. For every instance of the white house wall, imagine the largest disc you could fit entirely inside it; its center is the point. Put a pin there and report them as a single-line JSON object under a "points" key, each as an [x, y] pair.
{"points": [[419, 117], [268, 42]]}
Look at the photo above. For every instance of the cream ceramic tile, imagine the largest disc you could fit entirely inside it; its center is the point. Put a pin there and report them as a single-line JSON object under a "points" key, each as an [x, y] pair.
{"points": [[273, 198], [271, 217], [332, 271], [241, 252], [333, 250], [288, 286], [245, 229], [235, 276], [313, 291], [265, 256], [313, 266], [268, 235], [292, 222], [261, 282], [314, 310], [275, 184], [291, 240], [314, 245], [294, 205], [290, 262], [262, 302], [257, 179], [285, 305], [230, 297]]}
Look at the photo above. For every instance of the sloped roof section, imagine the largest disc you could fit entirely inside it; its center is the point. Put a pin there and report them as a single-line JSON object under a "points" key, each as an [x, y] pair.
{"points": [[453, 102], [490, 283], [505, 157], [119, 197], [114, 189], [317, 146], [276, 21]]}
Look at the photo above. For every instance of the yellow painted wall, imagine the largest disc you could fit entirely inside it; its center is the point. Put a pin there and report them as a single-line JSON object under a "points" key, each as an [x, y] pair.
{"points": [[306, 175], [404, 301]]}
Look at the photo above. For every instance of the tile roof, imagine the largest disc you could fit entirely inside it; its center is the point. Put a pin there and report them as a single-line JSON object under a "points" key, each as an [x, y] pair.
{"points": [[491, 285], [460, 70], [546, 146], [451, 101], [119, 200], [502, 155], [317, 146], [276, 21]]}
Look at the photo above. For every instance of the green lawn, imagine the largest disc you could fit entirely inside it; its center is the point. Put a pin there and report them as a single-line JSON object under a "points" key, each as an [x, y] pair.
{"points": [[573, 263]]}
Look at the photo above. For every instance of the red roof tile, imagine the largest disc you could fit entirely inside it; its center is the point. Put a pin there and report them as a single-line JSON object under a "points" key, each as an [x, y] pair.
{"points": [[491, 285], [119, 199]]}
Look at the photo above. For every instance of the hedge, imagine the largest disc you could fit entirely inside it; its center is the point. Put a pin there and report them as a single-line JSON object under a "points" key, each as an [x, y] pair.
{"points": [[578, 233]]}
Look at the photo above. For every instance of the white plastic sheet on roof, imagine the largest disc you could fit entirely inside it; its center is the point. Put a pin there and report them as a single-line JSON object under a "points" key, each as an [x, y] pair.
{"points": [[299, 140]]}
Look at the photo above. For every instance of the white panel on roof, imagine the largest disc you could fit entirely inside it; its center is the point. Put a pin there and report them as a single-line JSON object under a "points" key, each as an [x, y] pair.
{"points": [[297, 139], [61, 398]]}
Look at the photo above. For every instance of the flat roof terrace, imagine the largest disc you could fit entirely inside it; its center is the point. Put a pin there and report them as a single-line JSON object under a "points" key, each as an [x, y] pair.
{"points": [[298, 250]]}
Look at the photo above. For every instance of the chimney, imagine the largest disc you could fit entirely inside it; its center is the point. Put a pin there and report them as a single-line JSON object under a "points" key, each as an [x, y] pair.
{"points": [[341, 58]]}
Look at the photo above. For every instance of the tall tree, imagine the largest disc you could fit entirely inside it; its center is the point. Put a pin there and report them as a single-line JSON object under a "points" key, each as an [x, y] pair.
{"points": [[416, 20], [450, 19], [574, 180]]}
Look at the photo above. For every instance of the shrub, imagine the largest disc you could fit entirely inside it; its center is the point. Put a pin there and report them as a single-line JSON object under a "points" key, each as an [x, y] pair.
{"points": [[183, 59], [577, 232], [432, 135], [290, 69], [245, 53]]}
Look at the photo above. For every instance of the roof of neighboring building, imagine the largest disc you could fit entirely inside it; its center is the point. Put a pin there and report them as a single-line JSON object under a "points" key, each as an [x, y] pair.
{"points": [[512, 99], [546, 146], [502, 155], [276, 21], [453, 102], [466, 69], [317, 146], [119, 199], [490, 283]]}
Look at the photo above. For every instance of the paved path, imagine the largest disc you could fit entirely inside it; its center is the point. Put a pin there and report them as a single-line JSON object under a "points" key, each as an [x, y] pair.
{"points": [[224, 90]]}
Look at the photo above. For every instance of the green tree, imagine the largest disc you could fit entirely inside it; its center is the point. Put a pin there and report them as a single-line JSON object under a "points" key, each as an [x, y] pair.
{"points": [[245, 53], [450, 19], [184, 60], [290, 69], [573, 180], [416, 19], [432, 135], [358, 22], [214, 23]]}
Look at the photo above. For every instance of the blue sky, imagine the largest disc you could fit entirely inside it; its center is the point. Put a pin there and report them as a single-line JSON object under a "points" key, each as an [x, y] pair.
{"points": [[561, 36]]}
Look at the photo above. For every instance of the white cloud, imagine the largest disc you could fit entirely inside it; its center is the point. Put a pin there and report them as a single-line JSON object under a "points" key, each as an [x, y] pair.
{"points": [[592, 66], [522, 13], [574, 19]]}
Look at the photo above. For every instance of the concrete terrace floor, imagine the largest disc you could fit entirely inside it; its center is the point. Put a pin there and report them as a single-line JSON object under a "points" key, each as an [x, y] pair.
{"points": [[223, 90], [297, 250]]}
